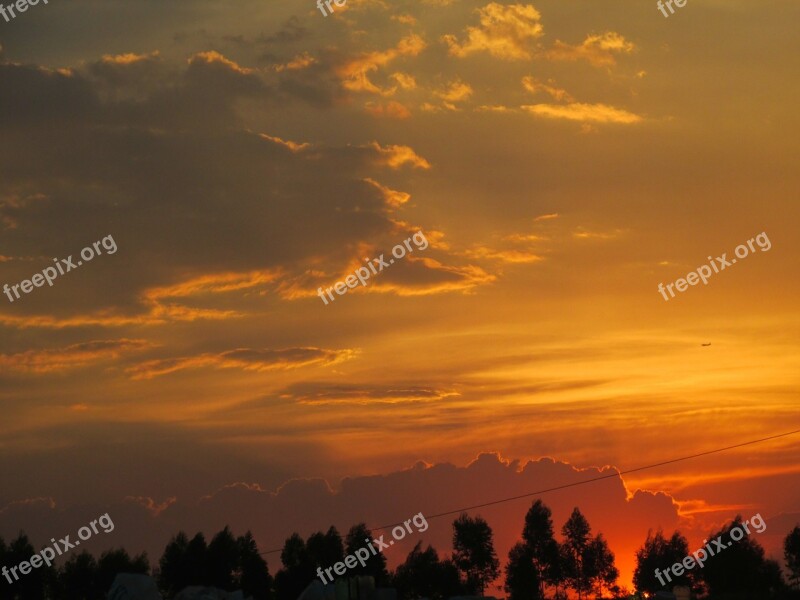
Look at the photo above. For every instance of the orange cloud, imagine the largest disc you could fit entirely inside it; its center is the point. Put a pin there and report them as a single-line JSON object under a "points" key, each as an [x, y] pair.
{"points": [[390, 110], [437, 278], [455, 91], [577, 111], [159, 311], [393, 198], [534, 87], [127, 59], [582, 234], [70, 357], [397, 156], [506, 31], [213, 57], [404, 80], [293, 146], [354, 74], [509, 256], [301, 61], [248, 359], [333, 393], [597, 49]]}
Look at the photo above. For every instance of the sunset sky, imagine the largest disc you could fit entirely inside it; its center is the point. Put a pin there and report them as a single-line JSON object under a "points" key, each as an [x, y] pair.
{"points": [[562, 158]]}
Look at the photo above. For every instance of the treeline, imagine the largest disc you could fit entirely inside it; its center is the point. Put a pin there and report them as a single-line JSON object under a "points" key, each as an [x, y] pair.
{"points": [[539, 567]]}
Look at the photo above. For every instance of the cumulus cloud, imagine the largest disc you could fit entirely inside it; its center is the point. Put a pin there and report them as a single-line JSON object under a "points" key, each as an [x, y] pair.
{"points": [[354, 73], [308, 505], [505, 31]]}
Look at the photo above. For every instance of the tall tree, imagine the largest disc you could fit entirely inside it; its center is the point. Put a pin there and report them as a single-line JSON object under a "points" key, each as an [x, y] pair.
{"points": [[791, 552], [473, 552], [522, 576], [326, 549], [588, 562], [34, 585], [174, 574], [540, 541], [601, 561], [376, 565], [739, 568], [577, 535], [253, 575], [222, 560], [197, 560], [660, 553], [297, 572]]}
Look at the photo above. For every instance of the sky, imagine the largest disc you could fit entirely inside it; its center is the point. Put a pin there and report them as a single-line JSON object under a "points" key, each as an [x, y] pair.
{"points": [[556, 161]]}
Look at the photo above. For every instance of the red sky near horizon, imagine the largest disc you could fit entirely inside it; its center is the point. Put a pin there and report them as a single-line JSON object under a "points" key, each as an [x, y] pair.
{"points": [[562, 160]]}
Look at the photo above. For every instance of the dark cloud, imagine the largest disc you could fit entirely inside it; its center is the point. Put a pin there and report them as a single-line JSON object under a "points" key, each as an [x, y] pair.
{"points": [[306, 505]]}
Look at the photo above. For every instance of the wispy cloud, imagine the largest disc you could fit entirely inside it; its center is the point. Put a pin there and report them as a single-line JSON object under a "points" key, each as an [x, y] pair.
{"points": [[248, 359], [71, 357], [586, 113]]}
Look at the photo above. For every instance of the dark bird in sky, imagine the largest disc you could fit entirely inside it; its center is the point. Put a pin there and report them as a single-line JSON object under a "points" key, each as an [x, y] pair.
{"points": [[708, 344]]}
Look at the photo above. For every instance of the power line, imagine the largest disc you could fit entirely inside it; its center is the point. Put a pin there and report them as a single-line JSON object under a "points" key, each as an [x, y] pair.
{"points": [[577, 483]]}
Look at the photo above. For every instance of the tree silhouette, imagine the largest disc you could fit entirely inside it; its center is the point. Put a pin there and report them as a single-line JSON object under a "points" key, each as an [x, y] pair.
{"points": [[32, 586], [253, 575], [173, 568], [660, 553], [588, 563], [113, 562], [197, 560], [740, 570], [78, 578], [600, 561], [473, 552], [523, 581], [376, 565], [326, 549], [576, 532], [226, 563], [791, 552], [423, 575], [537, 535], [222, 560], [298, 570]]}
